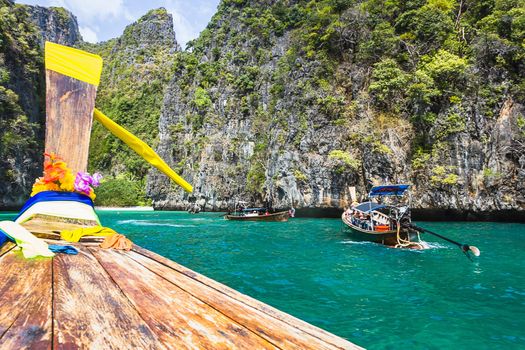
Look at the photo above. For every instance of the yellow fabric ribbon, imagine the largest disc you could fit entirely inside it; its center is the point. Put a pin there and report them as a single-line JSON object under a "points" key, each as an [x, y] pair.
{"points": [[75, 235], [141, 148], [74, 63]]}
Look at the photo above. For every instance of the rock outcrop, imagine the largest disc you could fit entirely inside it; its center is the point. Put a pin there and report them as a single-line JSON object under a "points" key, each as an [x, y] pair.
{"points": [[291, 103], [56, 24], [21, 104]]}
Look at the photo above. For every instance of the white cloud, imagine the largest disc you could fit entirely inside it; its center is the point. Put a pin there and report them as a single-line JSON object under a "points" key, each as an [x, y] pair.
{"points": [[184, 30], [206, 9], [57, 3], [94, 9], [88, 34], [190, 17]]}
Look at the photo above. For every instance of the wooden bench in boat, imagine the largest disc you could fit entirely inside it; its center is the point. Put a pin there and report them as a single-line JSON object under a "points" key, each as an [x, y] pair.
{"points": [[108, 299]]}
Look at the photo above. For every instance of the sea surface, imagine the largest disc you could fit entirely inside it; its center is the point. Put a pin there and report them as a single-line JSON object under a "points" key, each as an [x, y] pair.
{"points": [[376, 297]]}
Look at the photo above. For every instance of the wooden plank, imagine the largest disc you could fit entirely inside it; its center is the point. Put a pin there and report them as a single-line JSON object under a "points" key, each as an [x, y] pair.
{"points": [[25, 302], [69, 117], [6, 247], [249, 301], [49, 227], [274, 330], [90, 311], [180, 320]]}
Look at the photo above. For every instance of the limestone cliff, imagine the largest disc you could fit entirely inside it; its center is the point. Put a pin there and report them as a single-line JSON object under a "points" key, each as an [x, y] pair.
{"points": [[55, 24], [23, 30], [137, 68], [292, 102]]}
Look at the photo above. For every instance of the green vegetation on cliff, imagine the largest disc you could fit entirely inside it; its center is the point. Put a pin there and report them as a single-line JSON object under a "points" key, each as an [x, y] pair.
{"points": [[21, 66], [286, 96], [386, 83]]}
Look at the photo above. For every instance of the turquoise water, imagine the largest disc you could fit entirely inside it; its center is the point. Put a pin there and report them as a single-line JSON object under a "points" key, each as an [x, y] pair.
{"points": [[376, 297]]}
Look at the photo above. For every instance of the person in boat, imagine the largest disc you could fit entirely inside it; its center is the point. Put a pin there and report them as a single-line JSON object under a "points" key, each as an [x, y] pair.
{"points": [[291, 212], [365, 221]]}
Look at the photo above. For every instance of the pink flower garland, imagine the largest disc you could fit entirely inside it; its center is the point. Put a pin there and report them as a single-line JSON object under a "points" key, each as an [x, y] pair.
{"points": [[84, 181]]}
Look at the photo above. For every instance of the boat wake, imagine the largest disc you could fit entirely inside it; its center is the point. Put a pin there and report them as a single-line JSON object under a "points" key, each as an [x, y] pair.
{"points": [[426, 245], [149, 223], [357, 242], [435, 245]]}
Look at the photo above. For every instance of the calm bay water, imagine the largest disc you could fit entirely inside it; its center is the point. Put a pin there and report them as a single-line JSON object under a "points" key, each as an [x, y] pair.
{"points": [[376, 297]]}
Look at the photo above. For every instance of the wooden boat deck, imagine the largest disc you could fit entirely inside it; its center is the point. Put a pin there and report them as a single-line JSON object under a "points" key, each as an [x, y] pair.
{"points": [[108, 299]]}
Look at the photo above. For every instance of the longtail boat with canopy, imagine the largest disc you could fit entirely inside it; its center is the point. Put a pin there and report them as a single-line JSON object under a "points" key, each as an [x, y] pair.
{"points": [[384, 218], [242, 213], [258, 214]]}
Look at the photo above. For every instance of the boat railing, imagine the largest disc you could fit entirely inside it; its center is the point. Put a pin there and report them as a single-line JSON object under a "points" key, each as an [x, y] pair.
{"points": [[381, 218], [372, 221]]}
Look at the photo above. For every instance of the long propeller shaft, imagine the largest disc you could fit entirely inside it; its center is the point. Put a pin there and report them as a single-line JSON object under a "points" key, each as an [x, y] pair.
{"points": [[464, 247]]}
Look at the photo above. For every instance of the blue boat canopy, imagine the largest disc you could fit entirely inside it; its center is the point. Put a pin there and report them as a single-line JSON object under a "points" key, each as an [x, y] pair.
{"points": [[254, 209], [388, 190], [367, 207]]}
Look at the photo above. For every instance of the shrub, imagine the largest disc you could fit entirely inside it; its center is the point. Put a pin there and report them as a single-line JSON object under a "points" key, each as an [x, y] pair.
{"points": [[299, 176], [202, 99], [388, 81], [346, 159], [121, 192], [443, 176]]}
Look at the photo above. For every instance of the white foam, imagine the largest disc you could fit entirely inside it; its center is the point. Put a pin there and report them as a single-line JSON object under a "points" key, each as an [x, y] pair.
{"points": [[436, 245], [149, 223], [124, 208], [356, 242]]}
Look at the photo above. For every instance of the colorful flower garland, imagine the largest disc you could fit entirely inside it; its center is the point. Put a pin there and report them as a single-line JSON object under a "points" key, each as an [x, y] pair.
{"points": [[58, 177]]}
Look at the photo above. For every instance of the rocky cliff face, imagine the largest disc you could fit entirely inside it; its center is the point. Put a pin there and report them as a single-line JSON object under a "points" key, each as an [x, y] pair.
{"points": [[22, 115], [55, 24], [137, 67], [291, 103]]}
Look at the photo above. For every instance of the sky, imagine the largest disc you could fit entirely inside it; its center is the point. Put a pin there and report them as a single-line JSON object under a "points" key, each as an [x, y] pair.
{"points": [[100, 20]]}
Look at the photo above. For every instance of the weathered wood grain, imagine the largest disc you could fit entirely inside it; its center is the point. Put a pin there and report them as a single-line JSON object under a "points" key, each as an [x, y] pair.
{"points": [[6, 247], [91, 312], [250, 302], [106, 299], [25, 302], [180, 320], [276, 331], [69, 110], [49, 227]]}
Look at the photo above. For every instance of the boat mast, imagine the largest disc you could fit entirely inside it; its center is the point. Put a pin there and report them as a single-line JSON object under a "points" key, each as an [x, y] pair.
{"points": [[72, 77]]}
